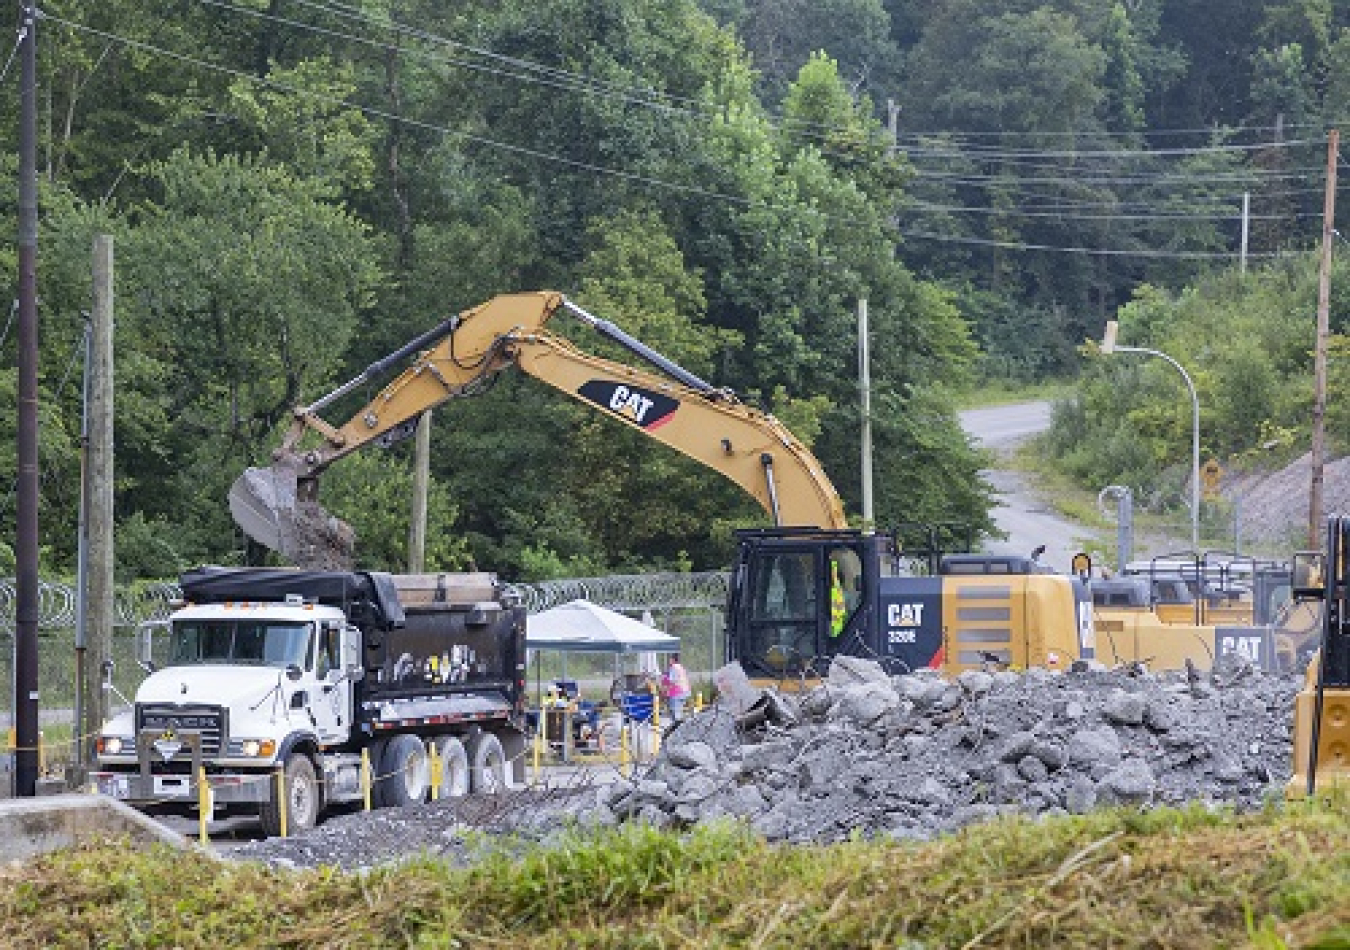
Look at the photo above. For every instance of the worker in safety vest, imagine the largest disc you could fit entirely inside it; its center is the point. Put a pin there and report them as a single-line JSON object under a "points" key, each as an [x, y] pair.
{"points": [[838, 609]]}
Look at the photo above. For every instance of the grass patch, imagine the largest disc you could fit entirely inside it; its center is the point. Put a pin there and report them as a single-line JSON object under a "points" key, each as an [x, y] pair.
{"points": [[1188, 878], [1006, 393], [1060, 492]]}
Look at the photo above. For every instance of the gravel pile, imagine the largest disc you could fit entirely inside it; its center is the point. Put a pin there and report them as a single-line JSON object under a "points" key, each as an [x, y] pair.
{"points": [[906, 756], [1273, 505]]}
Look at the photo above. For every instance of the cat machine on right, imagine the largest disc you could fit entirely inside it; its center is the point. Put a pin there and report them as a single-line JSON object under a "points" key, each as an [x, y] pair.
{"points": [[1322, 707]]}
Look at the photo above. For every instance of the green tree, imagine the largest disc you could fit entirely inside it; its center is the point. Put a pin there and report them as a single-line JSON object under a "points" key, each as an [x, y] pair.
{"points": [[241, 287]]}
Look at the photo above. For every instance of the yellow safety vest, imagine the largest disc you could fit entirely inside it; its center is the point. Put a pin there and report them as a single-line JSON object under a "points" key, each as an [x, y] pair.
{"points": [[838, 609]]}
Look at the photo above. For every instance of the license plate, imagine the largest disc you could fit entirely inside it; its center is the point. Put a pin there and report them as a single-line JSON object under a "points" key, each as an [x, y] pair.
{"points": [[179, 786]]}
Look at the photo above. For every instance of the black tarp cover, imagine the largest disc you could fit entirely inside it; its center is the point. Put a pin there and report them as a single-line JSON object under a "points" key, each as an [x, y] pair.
{"points": [[366, 596]]}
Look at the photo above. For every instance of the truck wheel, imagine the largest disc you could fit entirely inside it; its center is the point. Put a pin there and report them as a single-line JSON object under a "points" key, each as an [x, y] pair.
{"points": [[405, 772], [454, 767], [301, 802], [487, 764]]}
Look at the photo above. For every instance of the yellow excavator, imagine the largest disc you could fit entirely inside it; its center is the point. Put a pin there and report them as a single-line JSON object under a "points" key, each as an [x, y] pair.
{"points": [[804, 590], [277, 506], [1322, 707]]}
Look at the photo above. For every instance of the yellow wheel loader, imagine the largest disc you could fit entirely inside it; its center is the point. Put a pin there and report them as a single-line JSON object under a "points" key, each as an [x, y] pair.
{"points": [[1322, 707]]}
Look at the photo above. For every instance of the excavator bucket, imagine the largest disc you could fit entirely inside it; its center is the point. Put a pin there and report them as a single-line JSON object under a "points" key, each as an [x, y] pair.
{"points": [[268, 506]]}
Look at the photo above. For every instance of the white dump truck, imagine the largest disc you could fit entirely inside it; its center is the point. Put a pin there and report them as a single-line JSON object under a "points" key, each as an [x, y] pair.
{"points": [[292, 690]]}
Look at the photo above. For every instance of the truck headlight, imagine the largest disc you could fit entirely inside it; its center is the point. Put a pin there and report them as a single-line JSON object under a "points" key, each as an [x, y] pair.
{"points": [[253, 748], [114, 745]]}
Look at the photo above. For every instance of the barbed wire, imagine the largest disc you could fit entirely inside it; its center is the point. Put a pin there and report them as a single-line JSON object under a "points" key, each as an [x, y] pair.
{"points": [[626, 593]]}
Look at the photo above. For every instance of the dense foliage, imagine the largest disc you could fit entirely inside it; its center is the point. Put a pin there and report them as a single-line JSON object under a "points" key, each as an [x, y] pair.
{"points": [[298, 187]]}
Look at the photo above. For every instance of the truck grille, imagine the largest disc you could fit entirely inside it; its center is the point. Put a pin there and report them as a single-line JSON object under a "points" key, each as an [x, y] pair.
{"points": [[208, 721]]}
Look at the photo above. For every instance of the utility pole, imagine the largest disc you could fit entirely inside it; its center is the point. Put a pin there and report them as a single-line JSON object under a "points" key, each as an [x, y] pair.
{"points": [[417, 530], [1246, 231], [99, 496], [27, 596], [865, 389], [1320, 352]]}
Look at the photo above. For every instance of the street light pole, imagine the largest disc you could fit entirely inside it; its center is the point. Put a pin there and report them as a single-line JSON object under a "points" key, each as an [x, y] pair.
{"points": [[1110, 346]]}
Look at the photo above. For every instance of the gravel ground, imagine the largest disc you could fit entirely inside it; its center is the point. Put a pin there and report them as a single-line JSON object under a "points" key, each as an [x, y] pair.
{"points": [[1273, 506], [866, 753]]}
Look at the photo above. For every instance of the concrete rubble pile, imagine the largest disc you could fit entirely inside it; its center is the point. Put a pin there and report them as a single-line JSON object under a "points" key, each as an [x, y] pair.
{"points": [[917, 755], [867, 753]]}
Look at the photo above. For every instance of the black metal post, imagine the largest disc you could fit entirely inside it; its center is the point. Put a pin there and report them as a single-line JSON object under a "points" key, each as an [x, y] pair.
{"points": [[27, 600]]}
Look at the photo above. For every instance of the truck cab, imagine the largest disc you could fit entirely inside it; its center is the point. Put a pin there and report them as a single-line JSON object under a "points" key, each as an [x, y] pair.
{"points": [[241, 685]]}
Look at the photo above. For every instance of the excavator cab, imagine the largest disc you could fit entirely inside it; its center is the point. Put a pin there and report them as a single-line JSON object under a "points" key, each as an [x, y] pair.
{"points": [[799, 596], [1322, 708]]}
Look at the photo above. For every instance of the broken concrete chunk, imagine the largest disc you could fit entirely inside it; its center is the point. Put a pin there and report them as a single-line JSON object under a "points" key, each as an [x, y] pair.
{"points": [[1090, 747], [1125, 708], [850, 670]]}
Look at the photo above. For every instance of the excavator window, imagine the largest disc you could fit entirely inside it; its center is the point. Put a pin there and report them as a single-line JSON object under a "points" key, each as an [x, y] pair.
{"points": [[784, 608]]}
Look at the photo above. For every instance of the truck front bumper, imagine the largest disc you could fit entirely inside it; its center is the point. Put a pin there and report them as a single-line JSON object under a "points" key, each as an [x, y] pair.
{"points": [[136, 788]]}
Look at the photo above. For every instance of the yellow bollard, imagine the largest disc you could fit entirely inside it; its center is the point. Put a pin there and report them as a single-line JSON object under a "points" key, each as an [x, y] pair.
{"points": [[656, 725], [203, 805], [538, 746], [283, 808], [12, 745], [365, 778], [698, 702], [435, 761], [623, 750]]}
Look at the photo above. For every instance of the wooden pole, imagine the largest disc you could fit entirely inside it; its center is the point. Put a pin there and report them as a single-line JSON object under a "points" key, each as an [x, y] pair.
{"points": [[27, 599], [417, 531], [1319, 411], [100, 611]]}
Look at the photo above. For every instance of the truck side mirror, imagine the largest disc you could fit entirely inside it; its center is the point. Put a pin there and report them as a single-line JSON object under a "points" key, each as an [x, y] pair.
{"points": [[108, 667], [145, 646], [1309, 575], [293, 673]]}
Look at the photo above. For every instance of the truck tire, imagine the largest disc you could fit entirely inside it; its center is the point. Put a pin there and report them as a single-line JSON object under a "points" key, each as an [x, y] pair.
{"points": [[454, 762], [487, 764], [302, 802], [405, 772]]}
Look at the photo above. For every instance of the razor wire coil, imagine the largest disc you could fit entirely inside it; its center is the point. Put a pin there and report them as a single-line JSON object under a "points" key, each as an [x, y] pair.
{"points": [[626, 593]]}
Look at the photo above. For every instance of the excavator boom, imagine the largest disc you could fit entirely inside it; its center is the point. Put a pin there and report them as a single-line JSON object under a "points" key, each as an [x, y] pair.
{"points": [[277, 506]]}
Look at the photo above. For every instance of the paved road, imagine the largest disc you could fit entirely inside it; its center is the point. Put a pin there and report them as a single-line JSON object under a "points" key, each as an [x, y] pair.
{"points": [[1024, 515]]}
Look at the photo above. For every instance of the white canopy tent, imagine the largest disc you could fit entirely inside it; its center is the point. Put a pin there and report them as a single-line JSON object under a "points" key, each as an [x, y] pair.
{"points": [[580, 626]]}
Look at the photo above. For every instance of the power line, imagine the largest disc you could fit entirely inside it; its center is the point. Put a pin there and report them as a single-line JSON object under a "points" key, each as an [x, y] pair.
{"points": [[602, 170], [1090, 251], [648, 97], [1179, 215]]}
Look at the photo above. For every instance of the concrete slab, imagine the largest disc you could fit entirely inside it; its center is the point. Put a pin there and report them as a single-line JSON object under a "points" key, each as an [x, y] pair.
{"points": [[33, 826]]}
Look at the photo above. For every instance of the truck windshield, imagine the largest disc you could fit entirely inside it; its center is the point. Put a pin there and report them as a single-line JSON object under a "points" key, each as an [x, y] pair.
{"points": [[244, 642]]}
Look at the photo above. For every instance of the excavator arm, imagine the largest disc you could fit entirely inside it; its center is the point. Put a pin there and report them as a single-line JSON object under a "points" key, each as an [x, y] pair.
{"points": [[278, 508]]}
